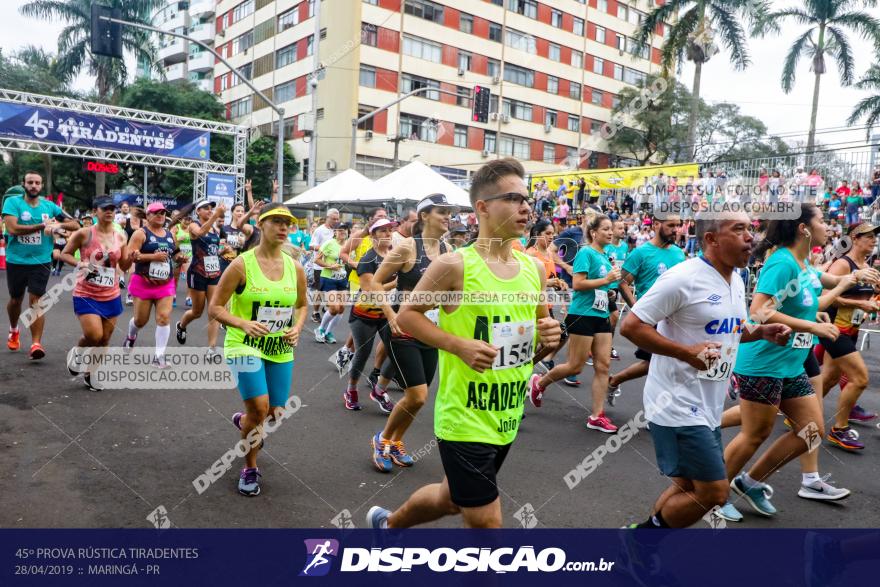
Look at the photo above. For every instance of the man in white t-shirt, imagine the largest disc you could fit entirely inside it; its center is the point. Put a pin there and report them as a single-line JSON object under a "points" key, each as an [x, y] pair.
{"points": [[692, 320], [320, 236]]}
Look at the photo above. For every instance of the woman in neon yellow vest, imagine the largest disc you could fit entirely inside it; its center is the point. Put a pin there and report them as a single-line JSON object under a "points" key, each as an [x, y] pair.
{"points": [[264, 288]]}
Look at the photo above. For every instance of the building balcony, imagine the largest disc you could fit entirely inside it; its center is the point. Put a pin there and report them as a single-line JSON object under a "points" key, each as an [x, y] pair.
{"points": [[201, 61], [203, 32], [180, 21], [176, 72], [174, 52], [198, 8]]}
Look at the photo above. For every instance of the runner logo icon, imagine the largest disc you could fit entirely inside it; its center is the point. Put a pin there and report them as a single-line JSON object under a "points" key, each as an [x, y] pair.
{"points": [[319, 555]]}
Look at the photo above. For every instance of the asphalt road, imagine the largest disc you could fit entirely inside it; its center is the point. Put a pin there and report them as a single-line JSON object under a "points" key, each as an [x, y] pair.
{"points": [[74, 458]]}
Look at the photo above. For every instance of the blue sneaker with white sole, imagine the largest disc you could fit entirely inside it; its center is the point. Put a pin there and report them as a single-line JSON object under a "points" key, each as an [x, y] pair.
{"points": [[377, 518], [758, 497], [249, 482], [729, 512]]}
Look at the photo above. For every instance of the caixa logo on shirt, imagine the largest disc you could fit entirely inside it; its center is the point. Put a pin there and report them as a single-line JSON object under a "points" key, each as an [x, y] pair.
{"points": [[730, 325]]}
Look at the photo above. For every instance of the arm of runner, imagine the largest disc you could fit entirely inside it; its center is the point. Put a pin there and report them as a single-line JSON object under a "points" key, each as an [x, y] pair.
{"points": [[625, 287], [775, 333], [829, 296], [73, 244], [16, 229], [345, 254], [579, 281], [200, 231], [249, 192], [301, 306], [549, 330], [763, 311], [125, 257], [232, 278]]}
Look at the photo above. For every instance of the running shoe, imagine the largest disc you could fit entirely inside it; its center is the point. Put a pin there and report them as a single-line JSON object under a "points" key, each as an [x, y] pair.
{"points": [[319, 335], [822, 491], [316, 317], [590, 361], [350, 399], [189, 302], [544, 367], [159, 362], [385, 403], [729, 513], [601, 423], [613, 394], [381, 454], [572, 381], [377, 518], [74, 361], [12, 341], [211, 355], [859, 414], [180, 331], [341, 359], [536, 393], [249, 482], [398, 454], [845, 438], [87, 379], [330, 338], [37, 352], [758, 496], [129, 341], [614, 354]]}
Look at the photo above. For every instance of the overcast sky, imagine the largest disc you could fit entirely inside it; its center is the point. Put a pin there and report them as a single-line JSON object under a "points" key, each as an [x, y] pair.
{"points": [[756, 89]]}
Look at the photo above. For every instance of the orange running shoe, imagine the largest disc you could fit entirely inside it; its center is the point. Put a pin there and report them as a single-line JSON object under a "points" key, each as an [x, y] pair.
{"points": [[12, 342]]}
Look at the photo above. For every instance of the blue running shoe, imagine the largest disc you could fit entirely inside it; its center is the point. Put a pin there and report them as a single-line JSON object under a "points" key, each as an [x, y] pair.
{"points": [[398, 454], [381, 454], [330, 338], [377, 518], [729, 513], [758, 496], [572, 381], [249, 482]]}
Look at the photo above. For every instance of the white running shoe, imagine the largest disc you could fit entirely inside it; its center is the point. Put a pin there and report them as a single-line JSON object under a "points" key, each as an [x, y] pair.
{"points": [[822, 491]]}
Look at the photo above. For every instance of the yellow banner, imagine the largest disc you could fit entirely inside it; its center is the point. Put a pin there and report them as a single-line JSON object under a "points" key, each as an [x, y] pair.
{"points": [[618, 178]]}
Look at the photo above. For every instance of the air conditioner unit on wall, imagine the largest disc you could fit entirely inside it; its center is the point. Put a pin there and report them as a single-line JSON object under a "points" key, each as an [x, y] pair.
{"points": [[485, 153], [494, 116], [496, 79], [460, 71], [505, 118], [369, 135]]}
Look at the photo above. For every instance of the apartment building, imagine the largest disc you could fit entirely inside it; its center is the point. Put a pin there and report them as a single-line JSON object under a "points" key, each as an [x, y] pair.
{"points": [[180, 59], [554, 67]]}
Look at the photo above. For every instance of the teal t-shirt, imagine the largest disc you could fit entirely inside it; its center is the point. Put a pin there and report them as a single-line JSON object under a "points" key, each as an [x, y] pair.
{"points": [[797, 294], [596, 265], [618, 252], [36, 247], [296, 238], [647, 263]]}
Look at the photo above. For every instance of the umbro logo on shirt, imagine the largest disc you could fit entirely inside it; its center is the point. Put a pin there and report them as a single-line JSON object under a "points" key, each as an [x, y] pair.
{"points": [[714, 299]]}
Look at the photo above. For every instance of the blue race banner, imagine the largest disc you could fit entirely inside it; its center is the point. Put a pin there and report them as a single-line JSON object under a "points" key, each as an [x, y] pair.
{"points": [[65, 127], [138, 199], [220, 188], [426, 557]]}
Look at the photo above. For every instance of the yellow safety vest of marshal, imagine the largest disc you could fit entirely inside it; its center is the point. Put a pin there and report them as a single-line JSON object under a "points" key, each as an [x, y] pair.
{"points": [[487, 407], [269, 302]]}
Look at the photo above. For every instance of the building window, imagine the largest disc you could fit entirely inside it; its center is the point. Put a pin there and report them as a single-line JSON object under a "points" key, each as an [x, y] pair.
{"points": [[633, 76], [517, 109], [595, 127], [518, 147], [621, 10], [417, 128], [552, 84], [288, 19], [527, 8], [600, 34], [573, 123], [310, 45], [578, 26], [574, 90], [368, 76], [521, 41], [372, 2], [621, 42], [241, 107], [598, 65], [495, 32], [493, 67], [554, 52], [550, 118], [640, 50], [571, 155], [597, 97], [463, 97], [422, 48], [602, 5], [635, 17], [285, 56], [247, 71], [615, 101], [464, 60], [493, 104], [461, 136], [489, 141], [577, 59], [556, 18], [519, 75], [285, 91], [246, 8], [368, 123], [414, 82], [466, 23], [243, 43], [618, 72], [424, 9], [549, 153], [369, 34]]}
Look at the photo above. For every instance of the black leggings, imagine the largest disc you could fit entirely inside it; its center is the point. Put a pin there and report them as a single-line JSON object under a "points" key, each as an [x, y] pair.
{"points": [[415, 362], [364, 332]]}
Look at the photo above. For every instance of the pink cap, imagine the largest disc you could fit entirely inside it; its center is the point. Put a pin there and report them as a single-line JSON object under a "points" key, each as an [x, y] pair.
{"points": [[156, 207]]}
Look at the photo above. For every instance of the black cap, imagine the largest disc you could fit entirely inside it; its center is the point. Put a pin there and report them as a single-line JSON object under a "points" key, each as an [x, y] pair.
{"points": [[103, 202], [459, 229]]}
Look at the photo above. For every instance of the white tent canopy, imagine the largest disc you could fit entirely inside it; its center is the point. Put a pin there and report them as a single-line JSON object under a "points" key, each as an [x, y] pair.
{"points": [[417, 181], [348, 186]]}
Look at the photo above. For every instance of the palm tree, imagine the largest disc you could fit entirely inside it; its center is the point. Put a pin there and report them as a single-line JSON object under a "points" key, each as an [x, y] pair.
{"points": [[869, 107], [74, 54], [692, 35], [828, 21]]}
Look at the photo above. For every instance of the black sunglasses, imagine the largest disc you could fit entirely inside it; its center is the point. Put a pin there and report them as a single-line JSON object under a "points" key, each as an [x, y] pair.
{"points": [[509, 197]]}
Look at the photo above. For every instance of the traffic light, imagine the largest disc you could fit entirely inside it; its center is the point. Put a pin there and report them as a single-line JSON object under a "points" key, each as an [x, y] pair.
{"points": [[482, 95], [106, 36]]}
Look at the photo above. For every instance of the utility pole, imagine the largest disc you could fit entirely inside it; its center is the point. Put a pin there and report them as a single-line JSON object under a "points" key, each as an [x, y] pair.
{"points": [[241, 76], [313, 81]]}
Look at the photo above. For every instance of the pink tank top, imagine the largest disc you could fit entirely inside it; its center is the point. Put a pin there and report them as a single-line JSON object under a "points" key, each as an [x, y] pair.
{"points": [[102, 283]]}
